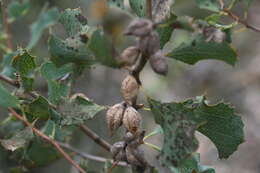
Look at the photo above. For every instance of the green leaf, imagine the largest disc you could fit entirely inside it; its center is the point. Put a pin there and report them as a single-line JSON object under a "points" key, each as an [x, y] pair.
{"points": [[179, 131], [50, 129], [78, 110], [197, 50], [40, 153], [38, 108], [23, 62], [221, 125], [20, 140], [73, 21], [102, 48], [7, 100], [212, 5], [45, 20], [72, 50], [192, 165], [51, 72], [218, 122], [8, 69], [117, 3], [56, 89], [139, 7], [165, 29], [16, 9]]}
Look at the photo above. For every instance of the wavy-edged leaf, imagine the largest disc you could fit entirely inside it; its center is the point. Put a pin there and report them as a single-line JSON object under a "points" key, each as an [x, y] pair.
{"points": [[78, 110], [218, 122], [38, 108], [23, 62], [56, 89], [198, 50], [179, 131], [73, 21], [72, 50]]}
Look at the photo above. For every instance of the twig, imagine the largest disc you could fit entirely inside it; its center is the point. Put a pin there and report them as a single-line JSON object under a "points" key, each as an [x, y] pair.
{"points": [[89, 156], [9, 81], [7, 27], [149, 9], [95, 137], [48, 139], [239, 20]]}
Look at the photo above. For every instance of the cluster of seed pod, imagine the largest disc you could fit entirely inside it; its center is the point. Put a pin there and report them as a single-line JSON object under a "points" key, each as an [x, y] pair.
{"points": [[124, 113], [148, 45], [128, 150]]}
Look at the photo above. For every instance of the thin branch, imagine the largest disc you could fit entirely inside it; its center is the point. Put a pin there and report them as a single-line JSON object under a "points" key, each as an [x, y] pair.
{"points": [[48, 139], [89, 156], [9, 81], [95, 137], [241, 21], [149, 9], [7, 26]]}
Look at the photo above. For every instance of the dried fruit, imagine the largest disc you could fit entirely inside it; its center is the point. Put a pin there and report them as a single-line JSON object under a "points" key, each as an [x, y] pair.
{"points": [[140, 28], [135, 156], [132, 120], [118, 151], [114, 117], [129, 137], [149, 45], [158, 63], [129, 56], [129, 89]]}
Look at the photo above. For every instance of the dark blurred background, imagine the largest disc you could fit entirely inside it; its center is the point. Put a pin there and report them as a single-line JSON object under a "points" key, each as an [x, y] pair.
{"points": [[239, 85]]}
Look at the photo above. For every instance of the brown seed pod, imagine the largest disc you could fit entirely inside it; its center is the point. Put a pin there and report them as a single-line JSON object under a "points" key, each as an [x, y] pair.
{"points": [[129, 56], [132, 120], [149, 45], [158, 63], [118, 151], [135, 156], [140, 28], [129, 89], [114, 117]]}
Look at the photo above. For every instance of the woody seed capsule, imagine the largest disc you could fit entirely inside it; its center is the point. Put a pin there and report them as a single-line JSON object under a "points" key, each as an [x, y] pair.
{"points": [[129, 89], [139, 28], [158, 63], [114, 117], [132, 120], [149, 45], [129, 56]]}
